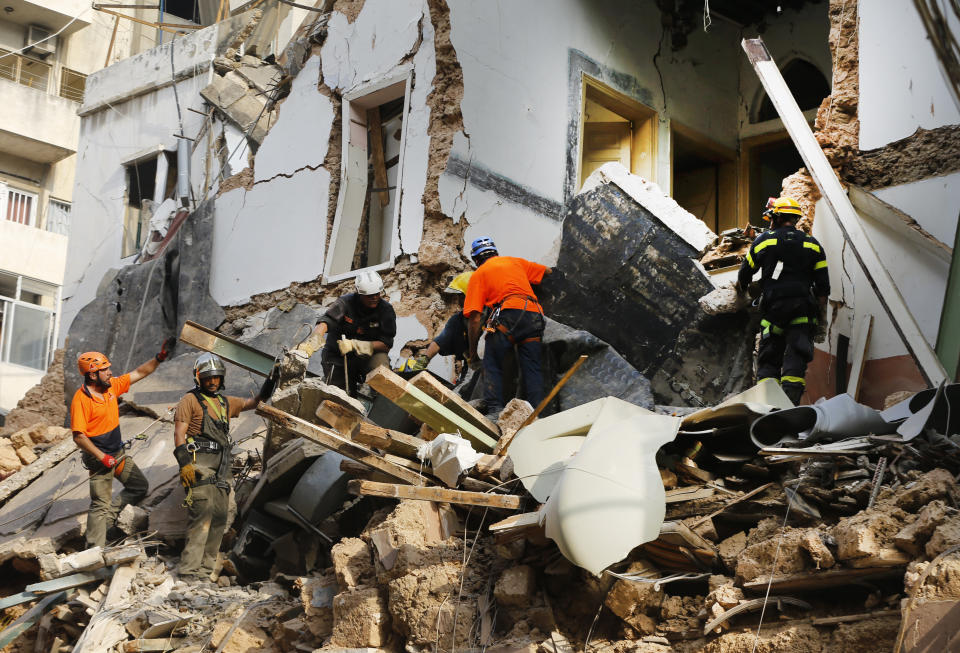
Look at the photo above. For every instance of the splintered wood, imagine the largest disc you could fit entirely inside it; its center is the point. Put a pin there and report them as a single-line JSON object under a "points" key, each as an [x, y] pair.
{"points": [[442, 495]]}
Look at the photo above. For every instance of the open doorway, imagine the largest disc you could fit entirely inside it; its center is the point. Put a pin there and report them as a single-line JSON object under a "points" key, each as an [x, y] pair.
{"points": [[615, 127], [765, 161], [704, 178]]}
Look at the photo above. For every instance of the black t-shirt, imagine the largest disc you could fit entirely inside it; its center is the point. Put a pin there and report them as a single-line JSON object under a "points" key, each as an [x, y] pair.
{"points": [[347, 316], [453, 339]]}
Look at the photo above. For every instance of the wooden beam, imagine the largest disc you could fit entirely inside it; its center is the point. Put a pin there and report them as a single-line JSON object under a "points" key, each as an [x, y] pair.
{"points": [[339, 417], [335, 442], [829, 621], [523, 520], [164, 644], [435, 390], [29, 618], [751, 493], [428, 410], [394, 442], [861, 344], [848, 220], [162, 26], [238, 353], [818, 580], [376, 155], [689, 493], [113, 38], [440, 495]]}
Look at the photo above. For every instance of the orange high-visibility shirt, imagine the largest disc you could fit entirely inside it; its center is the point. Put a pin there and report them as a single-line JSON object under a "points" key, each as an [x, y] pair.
{"points": [[504, 279], [99, 418]]}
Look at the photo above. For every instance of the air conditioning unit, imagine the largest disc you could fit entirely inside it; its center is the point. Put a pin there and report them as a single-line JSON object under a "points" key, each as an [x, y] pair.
{"points": [[36, 45]]}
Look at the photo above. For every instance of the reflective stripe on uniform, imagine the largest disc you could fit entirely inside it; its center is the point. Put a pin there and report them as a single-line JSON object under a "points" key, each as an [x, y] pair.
{"points": [[801, 320], [768, 378], [793, 379], [766, 243], [815, 247], [820, 265], [768, 327], [753, 265]]}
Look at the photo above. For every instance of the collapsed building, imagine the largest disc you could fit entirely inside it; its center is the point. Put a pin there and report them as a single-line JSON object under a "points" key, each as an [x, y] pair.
{"points": [[242, 188]]}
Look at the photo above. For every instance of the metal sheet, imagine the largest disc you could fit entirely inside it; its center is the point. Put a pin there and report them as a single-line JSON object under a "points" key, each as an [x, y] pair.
{"points": [[763, 398], [834, 418]]}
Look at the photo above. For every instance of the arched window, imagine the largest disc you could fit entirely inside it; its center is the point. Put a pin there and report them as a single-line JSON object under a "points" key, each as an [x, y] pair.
{"points": [[807, 84]]}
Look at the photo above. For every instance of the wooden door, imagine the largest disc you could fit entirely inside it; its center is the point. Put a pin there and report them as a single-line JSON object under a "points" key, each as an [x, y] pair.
{"points": [[604, 142]]}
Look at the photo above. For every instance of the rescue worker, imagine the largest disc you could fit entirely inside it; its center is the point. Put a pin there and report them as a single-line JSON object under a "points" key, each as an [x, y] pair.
{"points": [[452, 340], [95, 422], [201, 436], [503, 283], [794, 287], [359, 329]]}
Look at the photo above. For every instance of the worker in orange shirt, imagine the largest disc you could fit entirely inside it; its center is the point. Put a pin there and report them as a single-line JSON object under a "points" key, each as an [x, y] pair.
{"points": [[95, 422], [503, 283]]}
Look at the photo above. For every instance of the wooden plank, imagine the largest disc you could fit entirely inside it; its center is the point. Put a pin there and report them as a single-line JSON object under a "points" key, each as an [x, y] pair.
{"points": [[428, 410], [689, 493], [29, 618], [238, 353], [339, 417], [810, 451], [523, 520], [817, 580], [376, 155], [442, 495], [165, 644], [874, 269], [862, 343], [827, 621], [433, 388], [746, 496], [67, 582], [495, 468], [335, 442], [387, 440]]}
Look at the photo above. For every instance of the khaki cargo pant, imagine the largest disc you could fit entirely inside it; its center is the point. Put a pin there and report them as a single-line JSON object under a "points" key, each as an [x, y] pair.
{"points": [[104, 507], [208, 511]]}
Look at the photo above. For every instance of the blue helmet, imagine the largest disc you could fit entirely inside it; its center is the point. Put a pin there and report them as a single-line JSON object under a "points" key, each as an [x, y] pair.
{"points": [[482, 245]]}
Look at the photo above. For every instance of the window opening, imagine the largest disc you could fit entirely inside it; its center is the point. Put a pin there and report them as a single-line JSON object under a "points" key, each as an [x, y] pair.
{"points": [[704, 179], [185, 9], [27, 319], [368, 203], [72, 85], [615, 127], [17, 205], [807, 84], [24, 70], [767, 166], [149, 181]]}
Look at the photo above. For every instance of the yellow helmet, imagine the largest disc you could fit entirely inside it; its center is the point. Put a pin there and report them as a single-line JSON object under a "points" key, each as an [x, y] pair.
{"points": [[458, 285], [787, 205]]}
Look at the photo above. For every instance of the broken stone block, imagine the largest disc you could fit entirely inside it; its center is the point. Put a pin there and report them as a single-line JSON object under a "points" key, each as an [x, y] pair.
{"points": [[512, 550], [635, 602], [132, 519], [724, 299], [819, 553], [264, 78], [420, 607], [224, 93], [360, 618], [414, 535], [224, 65], [944, 536], [936, 484], [730, 548], [352, 562], [246, 637], [756, 560], [516, 586], [26, 455], [866, 533], [314, 392], [9, 460], [436, 256], [22, 438], [251, 61], [726, 596], [234, 77], [316, 595], [913, 536], [513, 415], [50, 434], [669, 479]]}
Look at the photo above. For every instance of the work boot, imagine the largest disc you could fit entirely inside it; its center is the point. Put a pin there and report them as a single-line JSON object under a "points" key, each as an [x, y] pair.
{"points": [[794, 392], [493, 414]]}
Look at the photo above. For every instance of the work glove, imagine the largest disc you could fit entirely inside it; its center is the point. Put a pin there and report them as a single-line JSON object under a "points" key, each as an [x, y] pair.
{"points": [[360, 347], [166, 349], [188, 475], [266, 390], [109, 461], [308, 347], [820, 334], [418, 364]]}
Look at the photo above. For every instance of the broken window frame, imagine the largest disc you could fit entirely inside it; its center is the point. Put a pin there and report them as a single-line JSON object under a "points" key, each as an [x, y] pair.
{"points": [[134, 217], [644, 121], [344, 235]]}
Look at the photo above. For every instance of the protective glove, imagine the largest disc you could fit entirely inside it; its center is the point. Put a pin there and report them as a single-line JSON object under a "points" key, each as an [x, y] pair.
{"points": [[166, 349], [820, 334], [361, 347], [188, 475], [308, 347], [418, 364], [266, 390], [109, 461]]}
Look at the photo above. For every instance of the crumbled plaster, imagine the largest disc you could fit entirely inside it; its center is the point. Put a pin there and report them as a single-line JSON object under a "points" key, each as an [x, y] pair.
{"points": [[925, 153]]}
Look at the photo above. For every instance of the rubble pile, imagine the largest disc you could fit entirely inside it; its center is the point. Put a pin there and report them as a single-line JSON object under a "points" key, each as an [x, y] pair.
{"points": [[42, 403]]}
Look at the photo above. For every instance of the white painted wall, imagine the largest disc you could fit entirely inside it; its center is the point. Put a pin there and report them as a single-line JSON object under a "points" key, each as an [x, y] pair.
{"points": [[15, 380], [33, 252], [902, 84]]}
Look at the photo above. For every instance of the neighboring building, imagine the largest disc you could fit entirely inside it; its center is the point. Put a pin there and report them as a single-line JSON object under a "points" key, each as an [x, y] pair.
{"points": [[405, 117]]}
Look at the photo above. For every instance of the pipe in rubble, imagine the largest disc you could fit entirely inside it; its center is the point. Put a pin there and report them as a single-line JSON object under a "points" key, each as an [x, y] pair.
{"points": [[832, 419], [183, 171]]}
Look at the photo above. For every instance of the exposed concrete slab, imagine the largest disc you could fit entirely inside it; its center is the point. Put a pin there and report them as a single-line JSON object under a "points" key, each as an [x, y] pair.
{"points": [[223, 91], [291, 144], [263, 77]]}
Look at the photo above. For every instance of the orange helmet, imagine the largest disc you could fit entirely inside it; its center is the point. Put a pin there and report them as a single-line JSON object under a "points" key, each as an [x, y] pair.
{"points": [[92, 361]]}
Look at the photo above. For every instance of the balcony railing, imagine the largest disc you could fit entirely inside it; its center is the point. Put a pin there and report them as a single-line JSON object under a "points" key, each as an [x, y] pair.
{"points": [[36, 74]]}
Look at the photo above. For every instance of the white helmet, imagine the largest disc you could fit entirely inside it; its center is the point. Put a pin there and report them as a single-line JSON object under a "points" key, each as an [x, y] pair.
{"points": [[369, 283]]}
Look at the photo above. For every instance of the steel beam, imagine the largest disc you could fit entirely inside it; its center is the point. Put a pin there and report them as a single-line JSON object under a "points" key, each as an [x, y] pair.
{"points": [[847, 219]]}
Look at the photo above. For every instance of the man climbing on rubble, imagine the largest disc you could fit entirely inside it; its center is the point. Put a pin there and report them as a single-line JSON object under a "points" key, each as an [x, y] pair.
{"points": [[452, 340], [794, 287], [201, 436], [359, 329], [95, 422], [503, 284]]}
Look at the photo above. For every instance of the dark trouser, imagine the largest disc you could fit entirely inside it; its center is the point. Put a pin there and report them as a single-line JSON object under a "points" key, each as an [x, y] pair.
{"points": [[357, 366], [104, 507], [786, 345], [208, 509], [523, 325]]}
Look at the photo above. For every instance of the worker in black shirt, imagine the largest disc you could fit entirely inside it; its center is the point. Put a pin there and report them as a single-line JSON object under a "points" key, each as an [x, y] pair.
{"points": [[794, 285], [359, 329]]}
